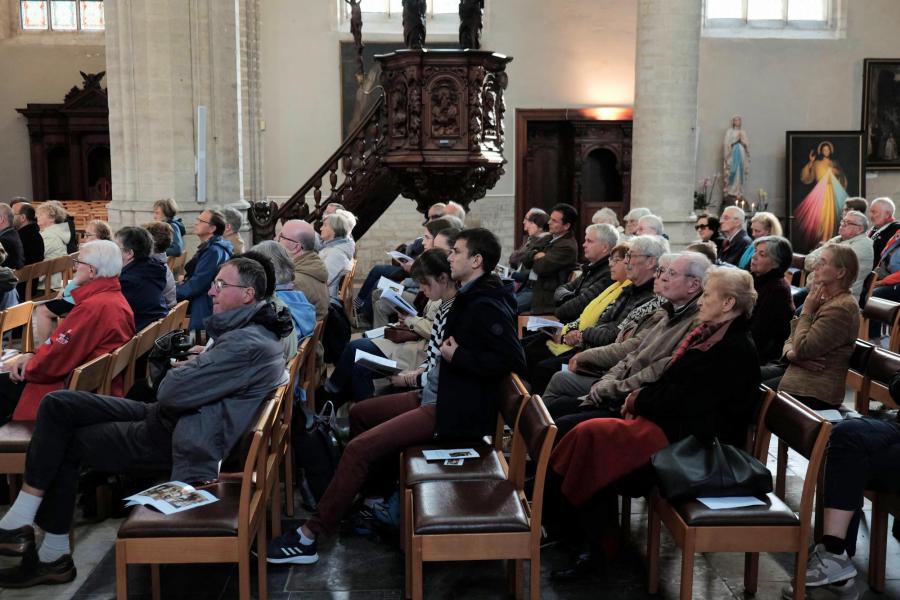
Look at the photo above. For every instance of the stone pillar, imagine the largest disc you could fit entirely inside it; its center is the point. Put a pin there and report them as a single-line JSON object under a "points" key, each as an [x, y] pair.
{"points": [[164, 59], [665, 112]]}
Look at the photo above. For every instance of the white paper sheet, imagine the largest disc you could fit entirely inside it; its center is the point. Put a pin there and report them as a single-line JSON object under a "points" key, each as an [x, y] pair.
{"points": [[386, 284], [399, 302], [379, 364], [731, 502], [450, 454], [535, 323], [399, 256], [371, 334]]}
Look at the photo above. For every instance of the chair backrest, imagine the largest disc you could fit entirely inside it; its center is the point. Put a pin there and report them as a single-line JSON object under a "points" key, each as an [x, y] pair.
{"points": [[252, 507], [121, 360], [57, 266], [308, 374], [19, 316], [867, 287], [346, 289], [859, 360], [90, 376], [509, 407], [881, 368], [797, 261], [29, 274], [144, 340], [180, 312], [538, 432], [879, 309]]}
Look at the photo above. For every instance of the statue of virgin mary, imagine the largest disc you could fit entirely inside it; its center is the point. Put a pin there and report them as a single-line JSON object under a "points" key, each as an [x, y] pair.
{"points": [[736, 153]]}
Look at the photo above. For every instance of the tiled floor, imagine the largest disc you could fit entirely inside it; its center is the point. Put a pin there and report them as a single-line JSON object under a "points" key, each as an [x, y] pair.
{"points": [[352, 567]]}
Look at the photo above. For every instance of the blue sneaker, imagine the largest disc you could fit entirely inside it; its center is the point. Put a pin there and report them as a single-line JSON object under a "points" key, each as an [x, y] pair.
{"points": [[287, 548]]}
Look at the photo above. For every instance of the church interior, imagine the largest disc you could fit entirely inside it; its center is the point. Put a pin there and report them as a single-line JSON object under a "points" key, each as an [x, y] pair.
{"points": [[277, 107]]}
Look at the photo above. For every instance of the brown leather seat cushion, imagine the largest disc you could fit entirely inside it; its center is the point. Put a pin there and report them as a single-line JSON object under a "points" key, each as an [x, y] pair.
{"points": [[490, 506], [219, 519], [775, 512], [486, 466], [15, 436]]}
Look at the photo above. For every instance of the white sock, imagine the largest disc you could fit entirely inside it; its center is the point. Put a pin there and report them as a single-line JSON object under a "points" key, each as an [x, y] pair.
{"points": [[22, 511], [53, 547], [303, 539]]}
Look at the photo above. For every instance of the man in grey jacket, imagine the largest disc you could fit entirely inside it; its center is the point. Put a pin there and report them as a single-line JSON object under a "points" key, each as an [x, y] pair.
{"points": [[203, 407]]}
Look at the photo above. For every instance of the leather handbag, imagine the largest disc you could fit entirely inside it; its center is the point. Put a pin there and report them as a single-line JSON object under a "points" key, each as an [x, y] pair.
{"points": [[693, 467], [400, 335]]}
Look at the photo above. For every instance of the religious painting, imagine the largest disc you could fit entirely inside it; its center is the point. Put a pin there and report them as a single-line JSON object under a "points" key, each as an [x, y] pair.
{"points": [[824, 168], [881, 113]]}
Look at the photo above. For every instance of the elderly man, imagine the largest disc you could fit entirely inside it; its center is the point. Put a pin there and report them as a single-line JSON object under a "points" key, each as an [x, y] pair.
{"points": [[201, 269], [203, 408], [9, 237], [310, 274], [551, 264], [651, 225], [735, 239], [631, 220], [234, 220], [881, 215], [851, 232], [572, 297], [681, 284]]}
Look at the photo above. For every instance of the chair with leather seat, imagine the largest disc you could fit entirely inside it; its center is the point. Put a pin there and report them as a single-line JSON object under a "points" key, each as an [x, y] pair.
{"points": [[774, 527], [883, 311], [880, 369], [484, 519], [17, 316], [220, 532]]}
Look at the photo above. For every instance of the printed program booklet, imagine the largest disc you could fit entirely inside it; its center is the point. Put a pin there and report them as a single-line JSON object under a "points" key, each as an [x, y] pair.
{"points": [[450, 454], [171, 497], [399, 256], [386, 284], [378, 364], [398, 302]]}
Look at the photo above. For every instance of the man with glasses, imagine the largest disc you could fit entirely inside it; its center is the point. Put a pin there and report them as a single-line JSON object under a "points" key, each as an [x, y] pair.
{"points": [[310, 274], [851, 232], [736, 240], [201, 269]]}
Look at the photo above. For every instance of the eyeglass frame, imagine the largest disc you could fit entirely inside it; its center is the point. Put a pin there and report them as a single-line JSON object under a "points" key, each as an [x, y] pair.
{"points": [[219, 284], [281, 236], [77, 262]]}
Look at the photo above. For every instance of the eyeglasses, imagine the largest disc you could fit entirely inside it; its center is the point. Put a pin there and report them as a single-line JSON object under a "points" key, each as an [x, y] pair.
{"points": [[204, 221], [77, 262], [220, 285], [699, 227], [615, 260], [88, 234], [845, 222], [672, 273], [284, 237], [629, 256]]}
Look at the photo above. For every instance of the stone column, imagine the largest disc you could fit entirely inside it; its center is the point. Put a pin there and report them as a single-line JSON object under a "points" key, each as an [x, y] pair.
{"points": [[164, 59], [665, 112]]}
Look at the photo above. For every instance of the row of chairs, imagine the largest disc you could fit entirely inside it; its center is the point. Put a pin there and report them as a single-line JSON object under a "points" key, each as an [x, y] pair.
{"points": [[44, 271]]}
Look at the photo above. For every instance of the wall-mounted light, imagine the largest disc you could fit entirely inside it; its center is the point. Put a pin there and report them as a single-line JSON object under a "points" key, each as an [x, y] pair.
{"points": [[611, 113]]}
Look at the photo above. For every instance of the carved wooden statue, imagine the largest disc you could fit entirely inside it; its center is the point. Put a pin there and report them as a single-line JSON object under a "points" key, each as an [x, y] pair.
{"points": [[471, 14], [414, 15], [356, 31]]}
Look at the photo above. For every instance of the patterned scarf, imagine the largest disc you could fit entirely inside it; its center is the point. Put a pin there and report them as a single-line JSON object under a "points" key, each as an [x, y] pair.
{"points": [[696, 337]]}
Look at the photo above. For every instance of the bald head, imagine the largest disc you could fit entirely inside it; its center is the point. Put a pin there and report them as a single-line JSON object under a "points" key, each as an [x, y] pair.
{"points": [[297, 237]]}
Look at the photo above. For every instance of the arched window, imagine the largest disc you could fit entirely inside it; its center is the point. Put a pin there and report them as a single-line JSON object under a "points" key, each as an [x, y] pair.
{"points": [[774, 18], [62, 15]]}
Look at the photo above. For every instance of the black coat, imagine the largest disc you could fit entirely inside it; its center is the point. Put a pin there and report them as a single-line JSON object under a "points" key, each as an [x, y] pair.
{"points": [[571, 298], [143, 281], [735, 249], [880, 240], [770, 324], [32, 243], [482, 320], [707, 393], [15, 255]]}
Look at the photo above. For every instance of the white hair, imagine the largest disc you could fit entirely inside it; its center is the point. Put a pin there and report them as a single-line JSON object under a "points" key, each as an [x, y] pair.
{"points": [[104, 255], [697, 264], [605, 215], [651, 245], [654, 222], [636, 213], [456, 210], [885, 201], [739, 212], [341, 221], [605, 233]]}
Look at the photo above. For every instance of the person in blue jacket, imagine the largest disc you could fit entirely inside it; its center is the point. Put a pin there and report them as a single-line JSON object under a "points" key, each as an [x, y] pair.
{"points": [[143, 277], [201, 269], [165, 211]]}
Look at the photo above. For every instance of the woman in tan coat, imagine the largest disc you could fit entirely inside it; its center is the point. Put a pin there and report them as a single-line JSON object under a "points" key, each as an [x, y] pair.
{"points": [[821, 342]]}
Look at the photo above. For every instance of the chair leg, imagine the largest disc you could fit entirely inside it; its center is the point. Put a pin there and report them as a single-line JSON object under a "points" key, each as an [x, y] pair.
{"points": [[751, 571], [289, 480], [877, 545], [276, 506], [781, 470], [263, 582], [514, 574], [155, 588], [244, 575], [405, 543], [687, 566], [653, 526], [14, 481], [800, 574], [121, 571], [534, 583], [415, 560]]}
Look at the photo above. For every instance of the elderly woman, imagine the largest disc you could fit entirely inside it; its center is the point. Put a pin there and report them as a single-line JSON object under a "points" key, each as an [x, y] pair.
{"points": [[164, 211], [718, 352], [631, 220], [143, 277], [707, 228], [608, 216], [302, 310], [338, 247], [822, 338], [51, 218], [100, 322], [97, 230], [771, 322], [761, 225]]}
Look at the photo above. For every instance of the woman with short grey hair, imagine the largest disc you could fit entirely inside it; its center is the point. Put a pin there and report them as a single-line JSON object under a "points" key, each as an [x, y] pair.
{"points": [[770, 324], [337, 249]]}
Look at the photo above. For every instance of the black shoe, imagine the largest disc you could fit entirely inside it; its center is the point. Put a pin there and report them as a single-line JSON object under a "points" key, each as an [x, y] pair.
{"points": [[585, 566], [31, 571], [17, 542]]}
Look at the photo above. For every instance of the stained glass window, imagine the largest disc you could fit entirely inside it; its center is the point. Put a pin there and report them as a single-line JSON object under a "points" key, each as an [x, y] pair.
{"points": [[34, 14], [62, 15], [92, 16]]}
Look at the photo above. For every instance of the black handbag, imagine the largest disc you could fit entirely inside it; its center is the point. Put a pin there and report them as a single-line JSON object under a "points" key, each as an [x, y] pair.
{"points": [[317, 451], [174, 345], [692, 468]]}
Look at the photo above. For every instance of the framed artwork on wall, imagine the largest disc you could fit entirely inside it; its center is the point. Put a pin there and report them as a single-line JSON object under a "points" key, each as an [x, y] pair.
{"points": [[824, 168], [881, 113]]}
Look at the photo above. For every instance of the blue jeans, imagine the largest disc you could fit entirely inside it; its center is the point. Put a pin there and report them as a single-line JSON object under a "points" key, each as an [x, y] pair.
{"points": [[364, 298], [349, 381]]}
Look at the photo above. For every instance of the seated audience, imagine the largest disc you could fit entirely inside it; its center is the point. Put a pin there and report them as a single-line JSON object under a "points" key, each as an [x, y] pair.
{"points": [[735, 240], [143, 277], [761, 224], [234, 220], [97, 230], [302, 311], [310, 274], [608, 216], [204, 407], [51, 218], [719, 352], [572, 297], [479, 351], [165, 211], [349, 381], [25, 221], [338, 247], [707, 228], [817, 353], [201, 269], [551, 265], [651, 225], [162, 239], [9, 237], [881, 215], [770, 324], [100, 322], [681, 285], [851, 233], [632, 218]]}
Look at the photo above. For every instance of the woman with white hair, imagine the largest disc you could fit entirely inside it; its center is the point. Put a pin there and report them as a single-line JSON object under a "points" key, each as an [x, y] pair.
{"points": [[608, 216], [100, 322], [338, 247]]}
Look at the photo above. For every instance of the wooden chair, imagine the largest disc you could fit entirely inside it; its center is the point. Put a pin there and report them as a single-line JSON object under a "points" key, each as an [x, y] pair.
{"points": [[883, 504], [884, 311], [867, 288], [29, 275], [346, 289], [880, 369], [856, 372], [484, 519], [774, 527], [308, 372], [145, 340], [57, 266], [19, 316], [220, 532], [121, 361], [278, 446], [176, 264], [175, 317], [797, 271], [302, 358]]}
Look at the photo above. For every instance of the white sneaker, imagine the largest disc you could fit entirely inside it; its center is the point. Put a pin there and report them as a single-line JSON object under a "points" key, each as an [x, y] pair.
{"points": [[825, 567], [845, 590]]}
